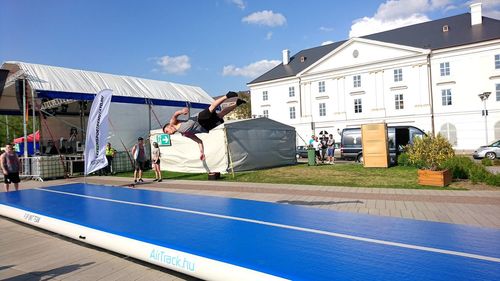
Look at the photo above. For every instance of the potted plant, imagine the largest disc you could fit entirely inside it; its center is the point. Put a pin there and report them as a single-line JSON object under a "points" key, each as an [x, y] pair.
{"points": [[429, 153]]}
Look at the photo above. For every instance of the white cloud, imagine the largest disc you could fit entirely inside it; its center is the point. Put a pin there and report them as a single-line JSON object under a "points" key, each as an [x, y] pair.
{"points": [[398, 13], [269, 35], [239, 3], [252, 70], [267, 18], [367, 26], [326, 29], [174, 65], [326, 43]]}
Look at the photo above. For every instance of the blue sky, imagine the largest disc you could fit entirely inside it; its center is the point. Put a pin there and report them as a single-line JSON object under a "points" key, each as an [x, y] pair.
{"points": [[218, 45]]}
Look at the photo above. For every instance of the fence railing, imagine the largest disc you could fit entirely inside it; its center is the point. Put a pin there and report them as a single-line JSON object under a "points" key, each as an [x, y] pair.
{"points": [[54, 166]]}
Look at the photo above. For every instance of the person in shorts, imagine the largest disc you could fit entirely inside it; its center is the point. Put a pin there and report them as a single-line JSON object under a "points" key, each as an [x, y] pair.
{"points": [[10, 164], [331, 149], [155, 154], [139, 153], [203, 122]]}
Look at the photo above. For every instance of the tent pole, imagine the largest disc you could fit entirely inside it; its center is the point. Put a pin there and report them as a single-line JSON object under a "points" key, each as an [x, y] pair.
{"points": [[7, 128], [231, 166], [34, 120], [25, 129]]}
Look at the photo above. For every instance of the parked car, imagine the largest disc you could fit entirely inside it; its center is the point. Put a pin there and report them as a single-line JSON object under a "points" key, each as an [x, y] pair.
{"points": [[301, 151], [337, 153], [491, 151], [398, 136]]}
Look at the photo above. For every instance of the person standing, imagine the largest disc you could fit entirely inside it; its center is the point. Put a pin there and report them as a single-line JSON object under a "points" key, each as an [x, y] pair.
{"points": [[139, 153], [331, 149], [110, 155], [324, 147], [312, 140], [156, 161], [10, 164], [317, 146]]}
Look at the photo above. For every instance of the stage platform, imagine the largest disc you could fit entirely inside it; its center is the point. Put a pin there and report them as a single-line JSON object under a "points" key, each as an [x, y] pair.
{"points": [[217, 238]]}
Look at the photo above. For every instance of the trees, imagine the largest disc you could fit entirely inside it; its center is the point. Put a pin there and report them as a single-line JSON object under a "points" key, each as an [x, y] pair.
{"points": [[14, 125]]}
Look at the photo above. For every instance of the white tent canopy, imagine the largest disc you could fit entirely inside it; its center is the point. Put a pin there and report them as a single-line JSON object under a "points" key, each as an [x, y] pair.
{"points": [[138, 105], [241, 145], [58, 82]]}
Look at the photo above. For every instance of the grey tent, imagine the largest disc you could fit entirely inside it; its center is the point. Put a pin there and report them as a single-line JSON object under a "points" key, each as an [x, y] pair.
{"points": [[241, 145]]}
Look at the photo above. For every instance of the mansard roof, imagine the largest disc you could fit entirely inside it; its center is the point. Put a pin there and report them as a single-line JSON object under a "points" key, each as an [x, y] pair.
{"points": [[427, 35]]}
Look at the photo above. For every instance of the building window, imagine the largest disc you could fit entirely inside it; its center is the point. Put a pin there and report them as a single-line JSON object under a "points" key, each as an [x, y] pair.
{"points": [[356, 80], [292, 112], [264, 96], [399, 101], [291, 92], [322, 109], [444, 68], [446, 97], [497, 91], [358, 107], [497, 61], [449, 131], [265, 113], [321, 86], [398, 75]]}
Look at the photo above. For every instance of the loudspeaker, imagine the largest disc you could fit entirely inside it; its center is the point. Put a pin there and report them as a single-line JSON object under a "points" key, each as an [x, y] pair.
{"points": [[3, 77]]}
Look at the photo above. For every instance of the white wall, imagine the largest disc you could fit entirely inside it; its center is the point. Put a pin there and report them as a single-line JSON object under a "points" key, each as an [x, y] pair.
{"points": [[472, 72]]}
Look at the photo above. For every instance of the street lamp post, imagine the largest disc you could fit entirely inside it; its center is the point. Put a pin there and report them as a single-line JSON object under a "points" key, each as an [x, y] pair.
{"points": [[484, 96]]}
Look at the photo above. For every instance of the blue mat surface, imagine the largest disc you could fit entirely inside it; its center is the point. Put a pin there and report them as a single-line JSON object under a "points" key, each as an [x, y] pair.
{"points": [[291, 242]]}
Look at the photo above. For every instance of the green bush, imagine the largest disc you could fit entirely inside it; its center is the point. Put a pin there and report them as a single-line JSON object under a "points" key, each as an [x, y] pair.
{"points": [[460, 166], [430, 152], [487, 162], [464, 168], [496, 162], [404, 160]]}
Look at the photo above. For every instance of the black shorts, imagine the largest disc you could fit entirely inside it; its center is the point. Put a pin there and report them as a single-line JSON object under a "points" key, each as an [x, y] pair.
{"points": [[209, 120], [139, 165], [11, 178]]}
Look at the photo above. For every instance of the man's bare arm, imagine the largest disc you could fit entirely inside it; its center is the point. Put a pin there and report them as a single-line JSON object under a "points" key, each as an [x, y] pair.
{"points": [[200, 144], [173, 120]]}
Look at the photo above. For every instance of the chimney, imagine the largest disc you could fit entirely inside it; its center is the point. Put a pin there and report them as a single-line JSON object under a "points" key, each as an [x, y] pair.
{"points": [[476, 16], [286, 56]]}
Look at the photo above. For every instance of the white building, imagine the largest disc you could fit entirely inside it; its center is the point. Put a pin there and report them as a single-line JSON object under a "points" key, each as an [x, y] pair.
{"points": [[428, 75]]}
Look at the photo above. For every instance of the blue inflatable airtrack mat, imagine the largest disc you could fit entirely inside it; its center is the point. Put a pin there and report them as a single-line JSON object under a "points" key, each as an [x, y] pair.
{"points": [[218, 238]]}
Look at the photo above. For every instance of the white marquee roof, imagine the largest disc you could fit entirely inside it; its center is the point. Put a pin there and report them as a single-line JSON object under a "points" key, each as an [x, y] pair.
{"points": [[52, 79]]}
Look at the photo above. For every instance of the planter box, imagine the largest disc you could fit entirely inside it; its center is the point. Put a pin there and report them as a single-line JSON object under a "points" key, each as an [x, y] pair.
{"points": [[434, 178]]}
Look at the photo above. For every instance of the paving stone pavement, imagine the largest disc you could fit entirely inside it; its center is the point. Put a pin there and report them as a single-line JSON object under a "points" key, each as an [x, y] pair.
{"points": [[27, 253]]}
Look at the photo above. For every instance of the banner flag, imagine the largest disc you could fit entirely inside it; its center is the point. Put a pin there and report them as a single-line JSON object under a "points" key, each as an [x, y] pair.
{"points": [[97, 132]]}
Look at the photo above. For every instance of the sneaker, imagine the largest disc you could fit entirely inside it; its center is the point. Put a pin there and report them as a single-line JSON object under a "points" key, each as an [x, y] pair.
{"points": [[231, 94], [240, 102], [155, 180], [141, 180], [135, 181], [160, 180]]}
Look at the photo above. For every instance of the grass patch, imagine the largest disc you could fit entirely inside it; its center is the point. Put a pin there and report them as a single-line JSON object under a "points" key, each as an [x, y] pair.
{"points": [[353, 175]]}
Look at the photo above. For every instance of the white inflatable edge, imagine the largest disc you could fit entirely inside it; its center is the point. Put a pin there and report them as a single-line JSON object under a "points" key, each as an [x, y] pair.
{"points": [[186, 263]]}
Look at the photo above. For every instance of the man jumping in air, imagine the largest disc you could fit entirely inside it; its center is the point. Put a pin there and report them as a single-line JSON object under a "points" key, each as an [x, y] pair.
{"points": [[205, 121]]}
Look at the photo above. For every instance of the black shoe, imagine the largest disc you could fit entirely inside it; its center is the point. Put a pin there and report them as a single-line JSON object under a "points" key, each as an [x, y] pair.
{"points": [[135, 181], [141, 180], [160, 180], [155, 180], [231, 95], [240, 102]]}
